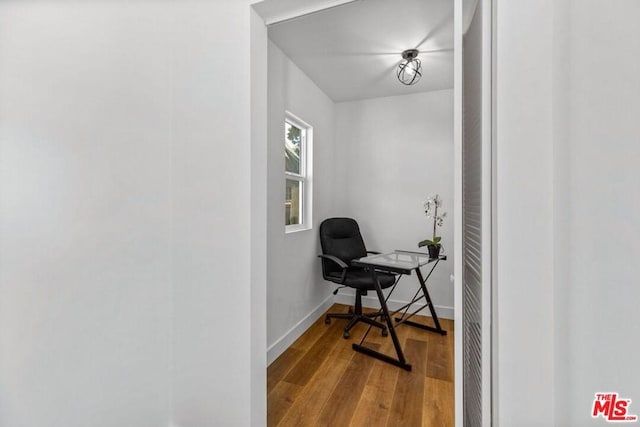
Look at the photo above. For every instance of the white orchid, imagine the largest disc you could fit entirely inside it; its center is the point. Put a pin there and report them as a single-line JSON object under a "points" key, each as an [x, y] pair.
{"points": [[431, 206]]}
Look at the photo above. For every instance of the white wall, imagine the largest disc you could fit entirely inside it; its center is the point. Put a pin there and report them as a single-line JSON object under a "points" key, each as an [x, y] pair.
{"points": [[524, 213], [85, 214], [604, 231], [393, 153], [259, 203], [124, 215], [212, 373], [578, 128], [561, 209], [295, 285]]}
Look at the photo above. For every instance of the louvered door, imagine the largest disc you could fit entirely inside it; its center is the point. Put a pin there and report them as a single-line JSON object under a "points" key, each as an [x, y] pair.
{"points": [[476, 203]]}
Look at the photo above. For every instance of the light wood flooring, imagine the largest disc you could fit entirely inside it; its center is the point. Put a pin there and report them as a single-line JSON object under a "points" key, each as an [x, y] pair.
{"points": [[321, 381]]}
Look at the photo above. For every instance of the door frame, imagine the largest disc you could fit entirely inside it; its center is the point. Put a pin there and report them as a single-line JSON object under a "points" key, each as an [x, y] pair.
{"points": [[258, 58]]}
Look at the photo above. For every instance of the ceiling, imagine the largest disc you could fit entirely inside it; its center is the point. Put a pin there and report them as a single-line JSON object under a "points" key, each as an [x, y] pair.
{"points": [[352, 51]]}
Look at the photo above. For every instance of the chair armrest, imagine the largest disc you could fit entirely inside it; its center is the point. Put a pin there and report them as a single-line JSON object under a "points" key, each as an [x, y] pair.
{"points": [[340, 263], [335, 259], [373, 252]]}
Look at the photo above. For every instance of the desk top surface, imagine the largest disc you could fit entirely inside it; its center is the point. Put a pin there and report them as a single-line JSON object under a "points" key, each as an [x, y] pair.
{"points": [[403, 260]]}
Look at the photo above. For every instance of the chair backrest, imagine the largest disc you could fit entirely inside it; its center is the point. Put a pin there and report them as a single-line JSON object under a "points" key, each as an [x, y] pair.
{"points": [[340, 237]]}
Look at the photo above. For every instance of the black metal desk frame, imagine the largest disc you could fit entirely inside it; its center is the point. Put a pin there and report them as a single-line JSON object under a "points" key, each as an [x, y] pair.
{"points": [[383, 312]]}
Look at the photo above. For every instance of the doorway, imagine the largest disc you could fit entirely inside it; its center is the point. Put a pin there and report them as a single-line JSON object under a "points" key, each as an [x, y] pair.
{"points": [[274, 13]]}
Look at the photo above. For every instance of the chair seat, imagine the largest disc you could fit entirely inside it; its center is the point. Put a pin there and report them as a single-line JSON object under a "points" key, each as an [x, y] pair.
{"points": [[360, 279]]}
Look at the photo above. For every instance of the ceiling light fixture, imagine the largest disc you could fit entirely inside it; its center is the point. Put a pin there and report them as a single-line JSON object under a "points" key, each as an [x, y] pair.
{"points": [[409, 70]]}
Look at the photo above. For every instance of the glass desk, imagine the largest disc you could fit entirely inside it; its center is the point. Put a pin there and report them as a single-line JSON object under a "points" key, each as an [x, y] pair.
{"points": [[399, 262]]}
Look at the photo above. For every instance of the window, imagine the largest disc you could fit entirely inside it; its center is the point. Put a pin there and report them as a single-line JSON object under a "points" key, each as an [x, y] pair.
{"points": [[297, 151]]}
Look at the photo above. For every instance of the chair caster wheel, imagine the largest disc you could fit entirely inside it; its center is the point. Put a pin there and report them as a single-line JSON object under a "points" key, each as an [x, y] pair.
{"points": [[327, 320], [345, 335], [385, 333]]}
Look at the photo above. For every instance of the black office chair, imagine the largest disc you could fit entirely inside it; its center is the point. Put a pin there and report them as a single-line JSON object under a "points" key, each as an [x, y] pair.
{"points": [[341, 243]]}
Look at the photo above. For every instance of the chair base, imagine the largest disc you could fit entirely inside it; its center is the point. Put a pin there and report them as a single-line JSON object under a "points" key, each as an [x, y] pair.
{"points": [[356, 315]]}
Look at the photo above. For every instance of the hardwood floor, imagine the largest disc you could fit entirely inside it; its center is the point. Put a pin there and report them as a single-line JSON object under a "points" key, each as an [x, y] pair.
{"points": [[321, 381]]}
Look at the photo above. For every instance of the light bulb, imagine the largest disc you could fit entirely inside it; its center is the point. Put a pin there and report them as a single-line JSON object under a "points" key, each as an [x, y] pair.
{"points": [[408, 68]]}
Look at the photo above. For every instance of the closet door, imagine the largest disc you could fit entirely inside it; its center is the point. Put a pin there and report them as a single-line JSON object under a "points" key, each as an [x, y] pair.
{"points": [[476, 221]]}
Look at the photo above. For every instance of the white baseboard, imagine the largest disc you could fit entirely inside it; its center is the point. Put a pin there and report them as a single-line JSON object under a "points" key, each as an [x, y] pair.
{"points": [[283, 343], [372, 302]]}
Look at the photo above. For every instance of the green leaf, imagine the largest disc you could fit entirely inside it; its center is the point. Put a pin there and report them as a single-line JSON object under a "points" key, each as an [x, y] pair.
{"points": [[294, 134], [436, 240], [424, 243]]}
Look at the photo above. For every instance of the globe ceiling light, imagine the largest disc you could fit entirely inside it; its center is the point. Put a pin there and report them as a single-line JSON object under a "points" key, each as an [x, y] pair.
{"points": [[409, 70]]}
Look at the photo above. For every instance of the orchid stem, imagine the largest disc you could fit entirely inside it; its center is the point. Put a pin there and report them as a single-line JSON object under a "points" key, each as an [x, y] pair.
{"points": [[435, 216]]}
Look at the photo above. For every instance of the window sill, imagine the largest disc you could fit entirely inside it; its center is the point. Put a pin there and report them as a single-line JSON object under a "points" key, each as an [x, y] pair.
{"points": [[288, 229]]}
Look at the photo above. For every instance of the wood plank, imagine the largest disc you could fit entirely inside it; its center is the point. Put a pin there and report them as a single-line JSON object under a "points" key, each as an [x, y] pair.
{"points": [[375, 403], [281, 366], [372, 409], [409, 391], [447, 324], [438, 403], [311, 335], [344, 399], [310, 402], [440, 359], [280, 399], [417, 333], [304, 369]]}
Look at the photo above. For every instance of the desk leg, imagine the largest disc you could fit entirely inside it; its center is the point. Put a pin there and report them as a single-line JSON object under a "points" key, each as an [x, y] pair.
{"points": [[400, 361], [432, 309]]}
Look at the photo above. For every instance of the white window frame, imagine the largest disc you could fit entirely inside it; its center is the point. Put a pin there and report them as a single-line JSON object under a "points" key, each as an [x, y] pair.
{"points": [[304, 178]]}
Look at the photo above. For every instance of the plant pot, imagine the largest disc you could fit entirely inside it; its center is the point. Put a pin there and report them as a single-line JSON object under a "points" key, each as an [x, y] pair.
{"points": [[434, 251]]}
